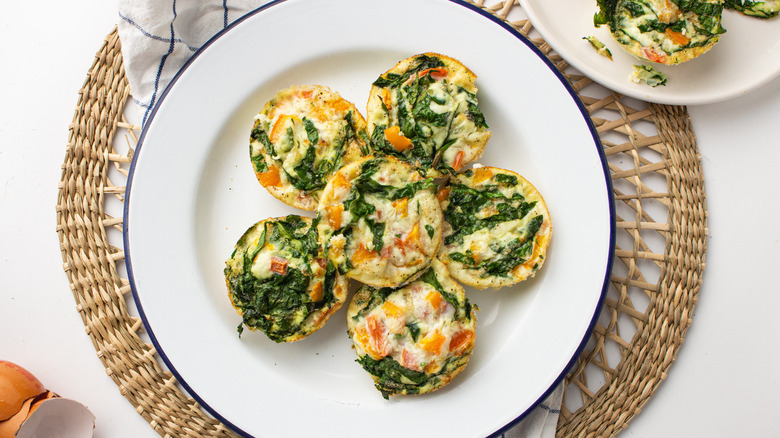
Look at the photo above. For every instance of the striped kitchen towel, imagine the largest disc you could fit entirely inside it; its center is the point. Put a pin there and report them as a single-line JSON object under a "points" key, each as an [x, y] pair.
{"points": [[159, 36]]}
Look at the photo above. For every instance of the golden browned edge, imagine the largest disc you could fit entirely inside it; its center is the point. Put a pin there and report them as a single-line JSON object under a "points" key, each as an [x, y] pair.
{"points": [[101, 294]]}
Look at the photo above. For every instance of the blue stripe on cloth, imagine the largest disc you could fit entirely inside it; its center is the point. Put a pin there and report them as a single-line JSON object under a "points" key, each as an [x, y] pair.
{"points": [[161, 66], [148, 34], [225, 17], [549, 409]]}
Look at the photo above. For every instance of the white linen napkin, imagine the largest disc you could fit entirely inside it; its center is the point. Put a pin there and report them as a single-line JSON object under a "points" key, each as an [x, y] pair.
{"points": [[158, 37]]}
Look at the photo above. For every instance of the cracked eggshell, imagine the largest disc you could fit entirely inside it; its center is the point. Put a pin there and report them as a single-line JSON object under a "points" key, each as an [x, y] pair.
{"points": [[16, 385], [27, 409]]}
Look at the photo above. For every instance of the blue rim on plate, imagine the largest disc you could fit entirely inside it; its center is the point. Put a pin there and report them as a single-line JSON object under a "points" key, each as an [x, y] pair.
{"points": [[484, 13]]}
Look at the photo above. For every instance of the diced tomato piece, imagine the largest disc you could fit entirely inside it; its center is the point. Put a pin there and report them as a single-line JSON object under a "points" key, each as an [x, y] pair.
{"points": [[377, 337], [461, 339], [654, 56], [409, 360], [457, 163], [443, 193], [436, 73], [278, 265]]}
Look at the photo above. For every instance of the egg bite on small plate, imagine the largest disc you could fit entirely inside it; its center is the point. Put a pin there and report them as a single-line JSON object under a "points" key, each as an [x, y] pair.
{"points": [[279, 281], [416, 338], [496, 228], [300, 138], [379, 221], [424, 111], [663, 31]]}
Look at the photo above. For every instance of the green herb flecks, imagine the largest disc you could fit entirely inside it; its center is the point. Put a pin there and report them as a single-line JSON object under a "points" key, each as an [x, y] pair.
{"points": [[759, 9], [645, 74], [466, 202]]}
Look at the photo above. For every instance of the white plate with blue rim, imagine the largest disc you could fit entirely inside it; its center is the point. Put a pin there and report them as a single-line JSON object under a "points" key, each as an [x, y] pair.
{"points": [[192, 193], [746, 57]]}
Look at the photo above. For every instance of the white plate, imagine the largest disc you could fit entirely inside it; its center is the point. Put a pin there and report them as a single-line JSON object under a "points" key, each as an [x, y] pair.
{"points": [[192, 193], [746, 57]]}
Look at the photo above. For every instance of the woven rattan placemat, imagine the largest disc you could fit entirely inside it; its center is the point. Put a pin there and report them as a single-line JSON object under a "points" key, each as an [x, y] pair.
{"points": [[659, 255]]}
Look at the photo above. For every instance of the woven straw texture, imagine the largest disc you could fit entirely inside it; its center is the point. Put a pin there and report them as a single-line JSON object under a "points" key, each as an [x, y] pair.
{"points": [[659, 255]]}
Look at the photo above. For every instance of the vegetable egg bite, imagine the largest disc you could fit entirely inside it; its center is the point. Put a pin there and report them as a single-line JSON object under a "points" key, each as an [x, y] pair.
{"points": [[300, 138], [380, 221], [496, 228], [424, 111], [755, 8], [279, 281], [416, 338], [663, 31]]}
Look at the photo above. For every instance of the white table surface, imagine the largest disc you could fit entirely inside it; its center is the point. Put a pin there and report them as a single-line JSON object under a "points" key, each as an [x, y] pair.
{"points": [[724, 382]]}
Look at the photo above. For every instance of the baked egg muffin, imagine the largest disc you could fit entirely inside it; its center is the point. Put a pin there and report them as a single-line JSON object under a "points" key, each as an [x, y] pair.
{"points": [[279, 281], [424, 111], [380, 221], [496, 228], [663, 31], [754, 8], [416, 338], [300, 138]]}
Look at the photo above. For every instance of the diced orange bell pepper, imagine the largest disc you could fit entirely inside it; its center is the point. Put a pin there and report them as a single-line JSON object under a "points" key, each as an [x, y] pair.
{"points": [[279, 129], [432, 342], [316, 292], [340, 181], [396, 138], [677, 37], [362, 254], [436, 299], [401, 207], [334, 215], [392, 310], [414, 235], [269, 178], [482, 174]]}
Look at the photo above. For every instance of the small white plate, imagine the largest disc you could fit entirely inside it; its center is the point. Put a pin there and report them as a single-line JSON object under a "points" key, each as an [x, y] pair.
{"points": [[192, 193], [746, 57]]}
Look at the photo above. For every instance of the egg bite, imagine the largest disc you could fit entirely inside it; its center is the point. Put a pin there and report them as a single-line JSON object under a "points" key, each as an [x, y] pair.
{"points": [[279, 281], [416, 338], [755, 8], [424, 111], [496, 228], [379, 221], [300, 138], [663, 31]]}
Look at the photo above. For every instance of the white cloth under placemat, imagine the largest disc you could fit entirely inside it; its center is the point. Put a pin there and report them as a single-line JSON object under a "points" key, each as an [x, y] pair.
{"points": [[158, 37]]}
